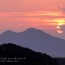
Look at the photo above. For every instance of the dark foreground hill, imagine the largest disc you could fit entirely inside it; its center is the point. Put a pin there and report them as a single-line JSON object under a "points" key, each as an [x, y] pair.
{"points": [[36, 40], [61, 61], [11, 53]]}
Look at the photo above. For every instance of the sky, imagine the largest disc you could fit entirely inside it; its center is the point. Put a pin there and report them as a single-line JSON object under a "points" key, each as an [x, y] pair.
{"points": [[46, 15]]}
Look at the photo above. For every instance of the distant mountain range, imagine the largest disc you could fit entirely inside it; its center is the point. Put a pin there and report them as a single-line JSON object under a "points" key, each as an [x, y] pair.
{"points": [[36, 40]]}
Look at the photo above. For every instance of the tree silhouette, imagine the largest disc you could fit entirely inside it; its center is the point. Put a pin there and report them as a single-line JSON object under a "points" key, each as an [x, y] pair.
{"points": [[25, 56]]}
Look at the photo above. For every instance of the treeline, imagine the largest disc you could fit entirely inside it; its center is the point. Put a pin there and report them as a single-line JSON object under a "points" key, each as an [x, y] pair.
{"points": [[11, 53]]}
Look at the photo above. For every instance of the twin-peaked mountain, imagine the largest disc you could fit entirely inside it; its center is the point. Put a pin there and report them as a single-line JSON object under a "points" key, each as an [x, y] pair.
{"points": [[36, 40]]}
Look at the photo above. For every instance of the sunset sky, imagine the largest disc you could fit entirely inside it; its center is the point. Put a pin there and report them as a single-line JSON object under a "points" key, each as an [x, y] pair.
{"points": [[46, 15]]}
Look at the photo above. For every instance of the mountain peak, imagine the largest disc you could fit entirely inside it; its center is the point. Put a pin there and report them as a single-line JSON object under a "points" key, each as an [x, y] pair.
{"points": [[9, 31], [33, 30]]}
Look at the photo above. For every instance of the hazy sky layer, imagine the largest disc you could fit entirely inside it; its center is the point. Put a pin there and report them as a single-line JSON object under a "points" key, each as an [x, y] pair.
{"points": [[29, 5], [18, 15]]}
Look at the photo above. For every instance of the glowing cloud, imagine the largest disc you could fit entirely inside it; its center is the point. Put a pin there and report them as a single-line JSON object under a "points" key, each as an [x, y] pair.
{"points": [[59, 22]]}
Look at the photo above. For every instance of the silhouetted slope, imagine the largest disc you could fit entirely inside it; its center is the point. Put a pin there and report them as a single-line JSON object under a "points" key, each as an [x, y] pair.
{"points": [[36, 40], [31, 57], [61, 61]]}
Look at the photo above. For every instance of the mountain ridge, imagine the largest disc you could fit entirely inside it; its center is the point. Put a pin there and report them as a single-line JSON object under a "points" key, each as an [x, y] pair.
{"points": [[24, 56], [36, 40]]}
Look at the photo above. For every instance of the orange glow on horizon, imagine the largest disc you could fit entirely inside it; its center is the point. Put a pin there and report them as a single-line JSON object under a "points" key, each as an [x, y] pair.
{"points": [[59, 22], [59, 31]]}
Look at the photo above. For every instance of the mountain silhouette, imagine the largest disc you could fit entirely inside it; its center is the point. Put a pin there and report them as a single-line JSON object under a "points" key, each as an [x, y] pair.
{"points": [[36, 40], [24, 56]]}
